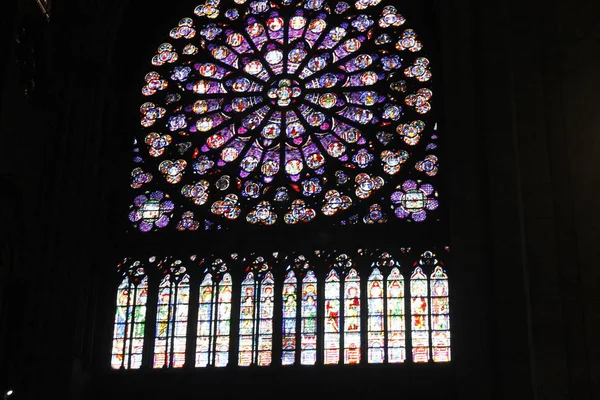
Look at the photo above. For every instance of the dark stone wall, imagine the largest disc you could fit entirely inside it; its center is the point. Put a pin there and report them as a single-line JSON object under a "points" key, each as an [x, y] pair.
{"points": [[521, 123], [578, 145]]}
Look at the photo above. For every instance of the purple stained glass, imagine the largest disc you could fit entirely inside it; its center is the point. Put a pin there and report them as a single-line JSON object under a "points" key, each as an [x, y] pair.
{"points": [[419, 216], [150, 211], [285, 92], [409, 185]]}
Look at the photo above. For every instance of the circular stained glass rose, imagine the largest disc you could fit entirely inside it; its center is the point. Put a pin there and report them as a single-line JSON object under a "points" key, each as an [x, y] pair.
{"points": [[280, 97]]}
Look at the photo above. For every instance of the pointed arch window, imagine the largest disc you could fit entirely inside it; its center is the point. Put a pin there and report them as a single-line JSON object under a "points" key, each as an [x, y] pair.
{"points": [[256, 315], [172, 317], [130, 318], [396, 327], [308, 338], [351, 317], [289, 301], [386, 336], [419, 307], [299, 314], [430, 312], [247, 321], [440, 315], [342, 309], [332, 318], [375, 322], [214, 317]]}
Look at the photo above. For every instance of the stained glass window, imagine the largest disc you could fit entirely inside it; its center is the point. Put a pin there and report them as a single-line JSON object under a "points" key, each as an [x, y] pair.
{"points": [[430, 311], [419, 307], [265, 322], [345, 312], [396, 328], [375, 321], [354, 323], [214, 317], [308, 355], [256, 315], [386, 337], [264, 116], [172, 317], [289, 301], [440, 316], [300, 320], [247, 321], [130, 318], [285, 112], [332, 318], [352, 318]]}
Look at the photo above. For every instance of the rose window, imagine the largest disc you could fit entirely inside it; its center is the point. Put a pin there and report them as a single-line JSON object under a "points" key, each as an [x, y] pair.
{"points": [[253, 108]]}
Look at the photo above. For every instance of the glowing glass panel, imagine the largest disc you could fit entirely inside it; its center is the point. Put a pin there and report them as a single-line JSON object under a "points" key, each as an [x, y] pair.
{"points": [[308, 355], [206, 312], [306, 329], [352, 348], [396, 328], [419, 308], [256, 321], [332, 319], [440, 316], [375, 319], [289, 301], [214, 319], [171, 321], [130, 320], [265, 324], [247, 318]]}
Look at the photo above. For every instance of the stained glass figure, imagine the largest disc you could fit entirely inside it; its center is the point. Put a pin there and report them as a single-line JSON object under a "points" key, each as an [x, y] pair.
{"points": [[375, 319], [352, 348], [314, 330], [265, 322], [419, 308], [214, 317], [130, 319], [332, 319], [172, 317], [440, 316], [256, 315], [247, 321], [252, 109], [396, 328], [308, 338], [289, 301], [386, 329]]}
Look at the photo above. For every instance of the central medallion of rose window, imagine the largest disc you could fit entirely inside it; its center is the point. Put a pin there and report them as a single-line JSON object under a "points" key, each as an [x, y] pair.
{"points": [[283, 92]]}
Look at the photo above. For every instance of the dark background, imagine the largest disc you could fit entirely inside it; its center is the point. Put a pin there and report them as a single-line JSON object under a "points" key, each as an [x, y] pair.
{"points": [[520, 115]]}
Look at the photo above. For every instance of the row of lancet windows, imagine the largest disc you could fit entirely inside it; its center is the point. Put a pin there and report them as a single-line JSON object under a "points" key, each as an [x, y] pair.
{"points": [[314, 320]]}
